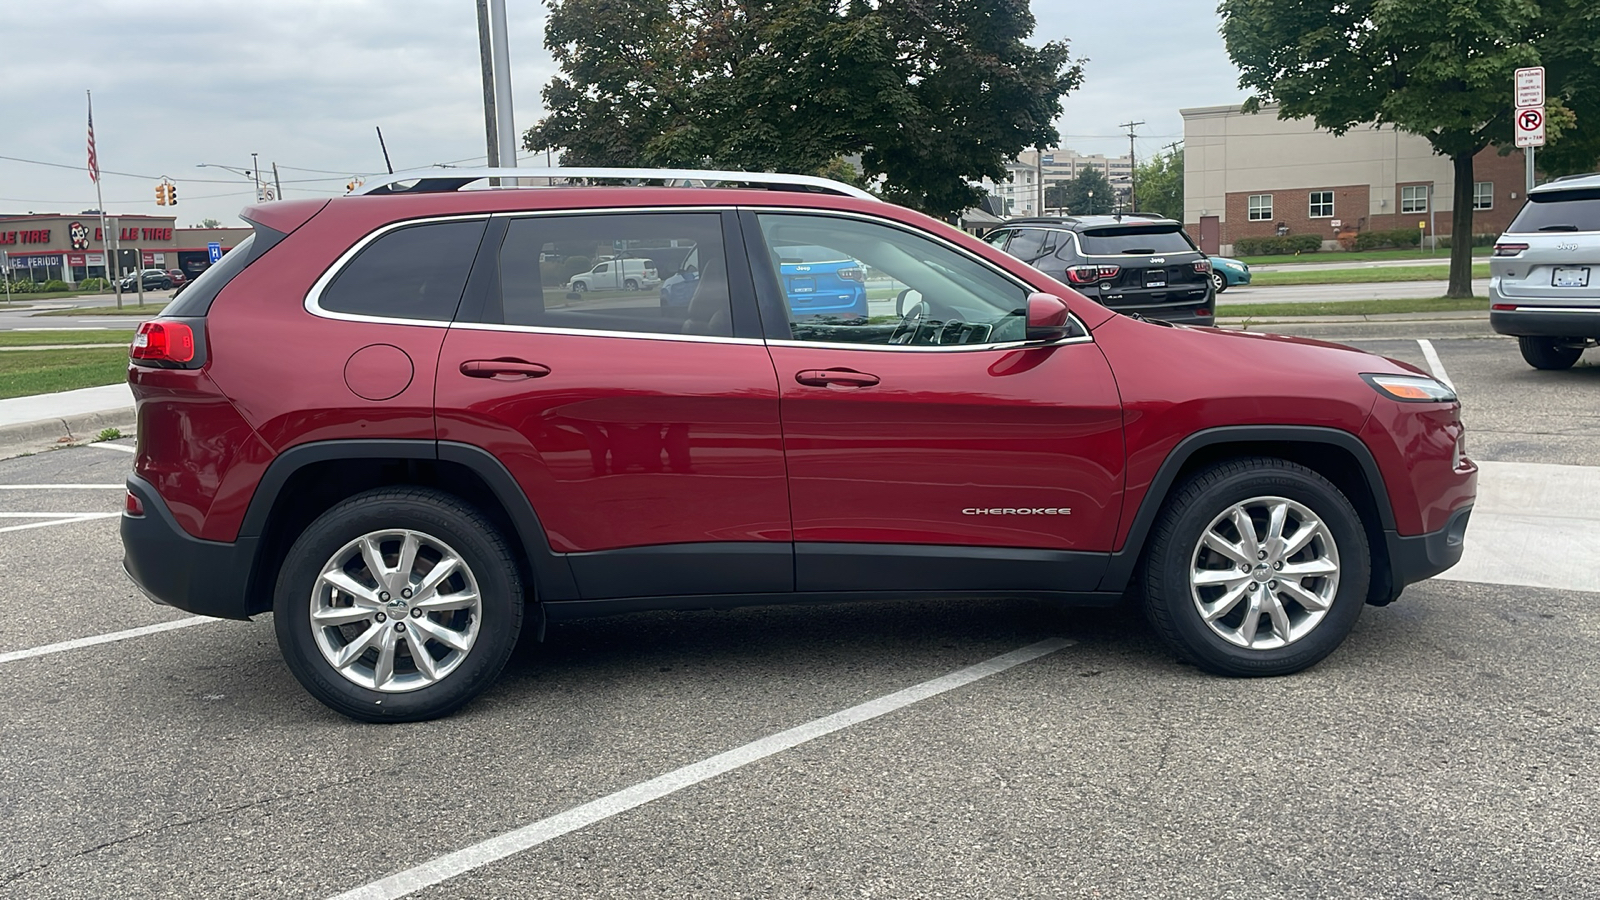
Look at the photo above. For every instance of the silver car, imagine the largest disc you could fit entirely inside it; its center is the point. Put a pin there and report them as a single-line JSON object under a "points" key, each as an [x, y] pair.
{"points": [[1544, 277]]}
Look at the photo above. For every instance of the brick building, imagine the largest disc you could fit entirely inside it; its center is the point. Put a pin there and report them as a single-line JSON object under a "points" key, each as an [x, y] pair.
{"points": [[1258, 175]]}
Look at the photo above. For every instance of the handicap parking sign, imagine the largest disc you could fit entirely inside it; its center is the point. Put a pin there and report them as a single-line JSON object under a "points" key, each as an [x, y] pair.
{"points": [[215, 249]]}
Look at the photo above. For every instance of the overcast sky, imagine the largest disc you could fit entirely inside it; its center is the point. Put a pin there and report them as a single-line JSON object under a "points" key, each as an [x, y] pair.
{"points": [[303, 83]]}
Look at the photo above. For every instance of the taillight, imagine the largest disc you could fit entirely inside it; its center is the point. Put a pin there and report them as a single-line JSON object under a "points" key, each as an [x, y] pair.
{"points": [[1509, 249], [1202, 312], [163, 342], [853, 273], [132, 506], [1203, 267], [1091, 274], [1504, 307]]}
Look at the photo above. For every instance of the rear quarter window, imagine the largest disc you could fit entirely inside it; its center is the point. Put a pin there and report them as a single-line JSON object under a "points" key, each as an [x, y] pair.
{"points": [[1576, 210], [1134, 240], [414, 272]]}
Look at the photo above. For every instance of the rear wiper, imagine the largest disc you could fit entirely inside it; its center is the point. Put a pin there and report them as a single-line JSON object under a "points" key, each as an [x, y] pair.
{"points": [[1559, 228], [1132, 250]]}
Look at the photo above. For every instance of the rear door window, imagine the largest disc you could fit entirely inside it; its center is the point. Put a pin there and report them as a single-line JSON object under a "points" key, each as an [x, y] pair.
{"points": [[674, 275], [1123, 241], [414, 272], [1559, 211]]}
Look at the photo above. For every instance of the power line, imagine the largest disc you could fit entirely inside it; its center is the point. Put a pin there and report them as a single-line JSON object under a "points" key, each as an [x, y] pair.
{"points": [[38, 162]]}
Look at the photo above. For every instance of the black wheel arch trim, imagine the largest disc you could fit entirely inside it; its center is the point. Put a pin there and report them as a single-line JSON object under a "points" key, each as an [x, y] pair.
{"points": [[1119, 573], [551, 573]]}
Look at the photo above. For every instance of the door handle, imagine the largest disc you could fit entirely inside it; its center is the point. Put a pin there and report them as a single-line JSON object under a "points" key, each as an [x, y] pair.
{"points": [[835, 378], [490, 368]]}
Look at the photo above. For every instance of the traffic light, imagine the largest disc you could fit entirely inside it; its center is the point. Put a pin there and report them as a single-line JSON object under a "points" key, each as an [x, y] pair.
{"points": [[172, 195], [161, 195], [354, 183]]}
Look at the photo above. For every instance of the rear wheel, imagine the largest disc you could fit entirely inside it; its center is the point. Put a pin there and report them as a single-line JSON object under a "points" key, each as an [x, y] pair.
{"points": [[1256, 567], [1550, 352], [1219, 283], [398, 605], [631, 285]]}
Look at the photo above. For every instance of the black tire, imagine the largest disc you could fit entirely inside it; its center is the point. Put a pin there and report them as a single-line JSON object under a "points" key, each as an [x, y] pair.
{"points": [[1219, 282], [488, 562], [580, 287], [631, 284], [1550, 352], [1173, 551]]}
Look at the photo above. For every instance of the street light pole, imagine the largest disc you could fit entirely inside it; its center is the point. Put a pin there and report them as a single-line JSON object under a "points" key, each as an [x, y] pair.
{"points": [[505, 130], [255, 171]]}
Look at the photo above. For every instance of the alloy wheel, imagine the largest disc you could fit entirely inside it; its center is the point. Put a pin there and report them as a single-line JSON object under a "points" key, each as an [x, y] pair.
{"points": [[1266, 558], [395, 610]]}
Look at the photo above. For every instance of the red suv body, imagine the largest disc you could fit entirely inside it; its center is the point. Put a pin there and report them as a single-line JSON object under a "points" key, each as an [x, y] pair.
{"points": [[384, 419]]}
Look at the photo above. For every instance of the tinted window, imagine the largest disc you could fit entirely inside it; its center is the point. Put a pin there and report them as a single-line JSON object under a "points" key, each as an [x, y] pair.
{"points": [[666, 274], [1137, 239], [810, 254], [998, 239], [415, 272], [913, 290], [1028, 245], [1560, 211]]}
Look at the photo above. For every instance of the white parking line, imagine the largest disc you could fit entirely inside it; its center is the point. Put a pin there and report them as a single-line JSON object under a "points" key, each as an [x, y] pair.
{"points": [[78, 517], [77, 328], [76, 643], [62, 487], [1434, 364], [105, 446], [51, 515], [464, 860]]}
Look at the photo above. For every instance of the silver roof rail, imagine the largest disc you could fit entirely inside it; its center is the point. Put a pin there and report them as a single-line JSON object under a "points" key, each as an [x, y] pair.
{"points": [[436, 180]]}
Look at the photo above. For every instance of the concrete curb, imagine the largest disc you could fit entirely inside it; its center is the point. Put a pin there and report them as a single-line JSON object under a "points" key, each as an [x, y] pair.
{"points": [[46, 434]]}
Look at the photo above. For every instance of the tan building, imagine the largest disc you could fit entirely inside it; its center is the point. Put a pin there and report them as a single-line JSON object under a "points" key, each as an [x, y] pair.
{"points": [[1258, 175], [54, 247]]}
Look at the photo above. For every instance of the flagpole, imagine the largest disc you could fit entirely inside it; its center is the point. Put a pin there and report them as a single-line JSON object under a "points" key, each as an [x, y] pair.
{"points": [[100, 203]]}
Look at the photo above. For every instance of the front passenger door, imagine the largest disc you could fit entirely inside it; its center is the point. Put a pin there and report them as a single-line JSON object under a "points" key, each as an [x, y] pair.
{"points": [[932, 450]]}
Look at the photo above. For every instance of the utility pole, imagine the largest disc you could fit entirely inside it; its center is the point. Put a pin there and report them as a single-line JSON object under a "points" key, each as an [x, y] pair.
{"points": [[276, 184], [505, 131], [255, 171], [486, 55], [1133, 167]]}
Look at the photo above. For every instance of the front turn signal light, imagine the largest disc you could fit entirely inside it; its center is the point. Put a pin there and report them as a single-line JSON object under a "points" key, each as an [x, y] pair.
{"points": [[1411, 388]]}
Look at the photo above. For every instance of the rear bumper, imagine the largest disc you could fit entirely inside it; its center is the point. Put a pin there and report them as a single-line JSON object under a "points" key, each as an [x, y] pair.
{"points": [[1546, 321], [173, 568], [1411, 559]]}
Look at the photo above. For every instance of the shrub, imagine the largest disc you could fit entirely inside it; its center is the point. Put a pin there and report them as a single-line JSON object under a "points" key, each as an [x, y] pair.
{"points": [[1276, 244], [51, 287], [1379, 240], [93, 284], [1478, 240]]}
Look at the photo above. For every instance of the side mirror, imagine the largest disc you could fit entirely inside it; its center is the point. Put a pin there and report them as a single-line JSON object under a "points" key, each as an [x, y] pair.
{"points": [[907, 300], [1049, 318]]}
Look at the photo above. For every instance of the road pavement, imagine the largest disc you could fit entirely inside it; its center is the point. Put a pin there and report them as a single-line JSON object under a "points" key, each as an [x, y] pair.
{"points": [[1333, 293], [1448, 750]]}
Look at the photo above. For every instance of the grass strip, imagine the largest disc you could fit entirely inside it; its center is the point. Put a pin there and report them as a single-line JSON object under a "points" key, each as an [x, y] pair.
{"points": [[28, 372], [1339, 256], [1350, 307], [129, 308], [1361, 275], [24, 338]]}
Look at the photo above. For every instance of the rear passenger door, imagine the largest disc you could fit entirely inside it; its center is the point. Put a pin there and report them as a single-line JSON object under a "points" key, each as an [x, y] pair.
{"points": [[644, 433]]}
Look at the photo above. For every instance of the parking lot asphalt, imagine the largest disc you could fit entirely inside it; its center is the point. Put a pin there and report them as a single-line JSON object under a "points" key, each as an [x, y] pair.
{"points": [[1451, 748]]}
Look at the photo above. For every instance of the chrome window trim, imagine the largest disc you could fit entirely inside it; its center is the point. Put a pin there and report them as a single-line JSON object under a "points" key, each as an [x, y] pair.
{"points": [[958, 348], [313, 301], [596, 332], [1085, 338]]}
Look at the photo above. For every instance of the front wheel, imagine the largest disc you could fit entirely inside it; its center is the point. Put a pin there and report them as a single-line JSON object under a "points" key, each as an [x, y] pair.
{"points": [[1256, 567], [1550, 352], [580, 286], [1218, 282], [398, 605]]}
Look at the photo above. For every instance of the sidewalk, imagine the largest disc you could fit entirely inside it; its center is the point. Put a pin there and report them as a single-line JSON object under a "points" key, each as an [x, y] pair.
{"points": [[29, 424]]}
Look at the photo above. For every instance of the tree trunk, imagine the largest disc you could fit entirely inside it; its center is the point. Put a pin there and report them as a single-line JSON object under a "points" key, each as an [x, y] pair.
{"points": [[1461, 229]]}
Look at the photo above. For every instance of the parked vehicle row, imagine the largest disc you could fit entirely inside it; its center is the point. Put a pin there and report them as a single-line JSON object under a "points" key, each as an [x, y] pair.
{"points": [[1544, 277]]}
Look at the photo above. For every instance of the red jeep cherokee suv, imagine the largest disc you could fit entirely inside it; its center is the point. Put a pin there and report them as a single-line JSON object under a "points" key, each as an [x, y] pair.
{"points": [[384, 419]]}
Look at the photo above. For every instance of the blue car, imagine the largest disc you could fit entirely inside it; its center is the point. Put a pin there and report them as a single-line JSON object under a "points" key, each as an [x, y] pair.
{"points": [[818, 281], [1225, 273]]}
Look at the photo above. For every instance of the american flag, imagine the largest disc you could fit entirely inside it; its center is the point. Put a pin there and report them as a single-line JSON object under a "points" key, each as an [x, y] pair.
{"points": [[94, 164]]}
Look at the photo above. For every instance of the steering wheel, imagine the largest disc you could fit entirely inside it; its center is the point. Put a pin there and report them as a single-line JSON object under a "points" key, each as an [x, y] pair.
{"points": [[906, 331]]}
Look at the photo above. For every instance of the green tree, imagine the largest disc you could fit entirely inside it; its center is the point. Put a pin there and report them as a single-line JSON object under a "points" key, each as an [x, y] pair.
{"points": [[1160, 181], [930, 96], [1055, 195], [1569, 48], [1438, 68], [1088, 194]]}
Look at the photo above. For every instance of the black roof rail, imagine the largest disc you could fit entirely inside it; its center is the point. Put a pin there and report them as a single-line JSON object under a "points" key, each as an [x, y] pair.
{"points": [[1571, 177]]}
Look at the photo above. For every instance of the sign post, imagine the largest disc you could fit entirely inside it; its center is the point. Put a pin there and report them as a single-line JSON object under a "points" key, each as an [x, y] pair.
{"points": [[1528, 120]]}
